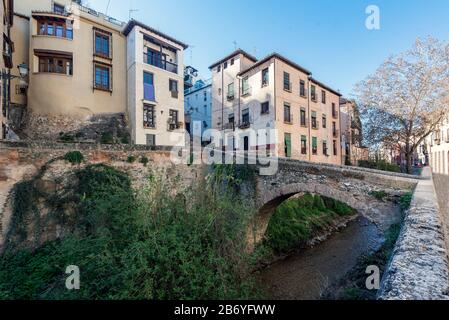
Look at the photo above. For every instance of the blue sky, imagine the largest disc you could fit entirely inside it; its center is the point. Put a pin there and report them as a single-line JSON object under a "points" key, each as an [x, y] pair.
{"points": [[328, 37]]}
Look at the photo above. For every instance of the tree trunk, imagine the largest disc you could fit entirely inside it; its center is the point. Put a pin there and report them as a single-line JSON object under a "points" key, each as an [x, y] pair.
{"points": [[408, 157]]}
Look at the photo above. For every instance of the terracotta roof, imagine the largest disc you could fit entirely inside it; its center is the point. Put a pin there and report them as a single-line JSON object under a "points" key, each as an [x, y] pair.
{"points": [[132, 23], [277, 56], [236, 52], [325, 87]]}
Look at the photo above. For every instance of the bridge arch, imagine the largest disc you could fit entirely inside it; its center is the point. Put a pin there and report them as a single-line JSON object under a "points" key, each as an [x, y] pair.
{"points": [[274, 197]]}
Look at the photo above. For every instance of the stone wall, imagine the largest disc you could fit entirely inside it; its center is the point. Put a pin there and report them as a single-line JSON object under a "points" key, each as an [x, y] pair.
{"points": [[419, 268], [21, 161]]}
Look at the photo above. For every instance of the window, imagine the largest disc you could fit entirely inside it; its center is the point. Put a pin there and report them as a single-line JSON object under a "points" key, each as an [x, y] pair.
{"points": [[58, 28], [288, 145], [287, 114], [20, 90], [325, 147], [204, 93], [265, 77], [173, 120], [151, 140], [314, 146], [313, 92], [232, 62], [149, 116], [231, 118], [245, 117], [149, 91], [173, 87], [225, 66], [314, 121], [102, 77], [302, 88], [335, 148], [334, 111], [245, 87], [55, 65], [302, 117], [102, 43], [303, 144], [57, 8], [323, 96], [324, 121], [230, 95], [334, 129], [218, 68], [265, 108], [287, 86]]}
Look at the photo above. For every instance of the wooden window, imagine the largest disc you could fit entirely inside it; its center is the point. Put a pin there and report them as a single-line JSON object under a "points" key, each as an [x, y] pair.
{"points": [[324, 119], [287, 85], [245, 117], [265, 108], [288, 145], [149, 116], [58, 8], [323, 96], [102, 77], [102, 43], [302, 88], [314, 120], [303, 119], [335, 148], [49, 64], [173, 87], [59, 28], [314, 145], [287, 114], [325, 147], [313, 92], [303, 144], [173, 120], [265, 77]]}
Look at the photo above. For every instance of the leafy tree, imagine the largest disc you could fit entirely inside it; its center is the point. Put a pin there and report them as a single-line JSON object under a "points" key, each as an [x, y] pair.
{"points": [[406, 98]]}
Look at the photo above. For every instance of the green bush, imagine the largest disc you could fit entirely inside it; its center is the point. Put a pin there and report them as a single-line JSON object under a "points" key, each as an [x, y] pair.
{"points": [[131, 159], [144, 246], [406, 201], [144, 160], [74, 157], [107, 138], [298, 219], [380, 165], [66, 137], [379, 195]]}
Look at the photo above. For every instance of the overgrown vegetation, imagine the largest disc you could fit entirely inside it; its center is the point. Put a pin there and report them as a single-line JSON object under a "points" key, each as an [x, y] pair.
{"points": [[131, 159], [144, 160], [74, 157], [149, 245], [297, 220], [107, 138], [380, 165], [379, 195]]}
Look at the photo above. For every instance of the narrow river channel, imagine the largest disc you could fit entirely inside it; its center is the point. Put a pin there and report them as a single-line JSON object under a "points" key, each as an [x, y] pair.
{"points": [[307, 273]]}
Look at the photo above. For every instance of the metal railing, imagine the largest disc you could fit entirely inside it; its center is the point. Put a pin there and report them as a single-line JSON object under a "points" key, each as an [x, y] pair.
{"points": [[153, 60]]}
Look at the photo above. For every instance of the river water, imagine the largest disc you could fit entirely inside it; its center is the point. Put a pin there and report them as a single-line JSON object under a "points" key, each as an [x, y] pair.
{"points": [[306, 274]]}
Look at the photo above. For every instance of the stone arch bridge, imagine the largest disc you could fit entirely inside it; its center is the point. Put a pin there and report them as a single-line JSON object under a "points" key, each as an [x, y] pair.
{"points": [[350, 185]]}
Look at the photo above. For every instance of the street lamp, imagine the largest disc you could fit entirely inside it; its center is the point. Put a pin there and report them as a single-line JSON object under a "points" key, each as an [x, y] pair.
{"points": [[23, 70]]}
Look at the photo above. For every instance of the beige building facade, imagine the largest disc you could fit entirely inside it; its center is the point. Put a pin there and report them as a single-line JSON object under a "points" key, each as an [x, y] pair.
{"points": [[276, 93], [353, 150], [76, 58], [6, 63], [155, 73], [437, 149]]}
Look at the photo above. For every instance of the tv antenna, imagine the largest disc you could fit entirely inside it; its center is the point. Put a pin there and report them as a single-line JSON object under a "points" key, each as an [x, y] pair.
{"points": [[191, 54], [235, 44], [107, 7], [131, 10]]}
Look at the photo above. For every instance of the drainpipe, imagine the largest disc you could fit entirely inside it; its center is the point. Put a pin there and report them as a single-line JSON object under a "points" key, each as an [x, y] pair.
{"points": [[222, 97], [309, 118]]}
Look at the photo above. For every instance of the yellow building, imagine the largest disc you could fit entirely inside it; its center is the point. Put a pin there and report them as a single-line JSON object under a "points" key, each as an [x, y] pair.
{"points": [[77, 59], [6, 63], [276, 93]]}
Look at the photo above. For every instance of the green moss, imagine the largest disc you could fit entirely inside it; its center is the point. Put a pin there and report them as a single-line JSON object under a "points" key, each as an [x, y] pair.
{"points": [[74, 157], [297, 220], [379, 195]]}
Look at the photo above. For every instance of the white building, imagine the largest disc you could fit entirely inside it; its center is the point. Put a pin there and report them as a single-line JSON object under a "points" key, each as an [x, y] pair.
{"points": [[198, 108], [437, 147], [155, 86]]}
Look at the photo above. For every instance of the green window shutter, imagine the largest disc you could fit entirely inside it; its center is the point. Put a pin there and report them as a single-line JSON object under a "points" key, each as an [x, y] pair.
{"points": [[288, 145], [314, 142]]}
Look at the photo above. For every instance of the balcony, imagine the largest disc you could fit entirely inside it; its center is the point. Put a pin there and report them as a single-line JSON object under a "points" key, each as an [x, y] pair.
{"points": [[153, 60], [335, 133], [335, 114], [230, 96], [304, 122], [229, 126], [173, 125]]}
